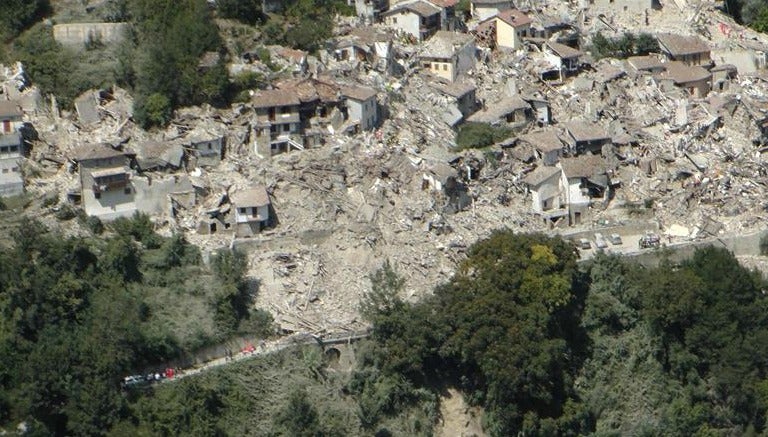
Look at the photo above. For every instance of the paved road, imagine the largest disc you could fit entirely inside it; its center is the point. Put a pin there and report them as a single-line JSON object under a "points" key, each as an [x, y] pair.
{"points": [[270, 347]]}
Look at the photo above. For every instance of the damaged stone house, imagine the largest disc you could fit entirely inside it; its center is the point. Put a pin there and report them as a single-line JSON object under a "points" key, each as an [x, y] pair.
{"points": [[562, 60], [362, 106], [462, 100], [449, 54], [506, 30], [690, 50], [586, 182], [512, 112], [419, 19], [370, 10], [366, 44], [276, 124], [106, 190], [694, 80], [548, 198], [252, 211], [546, 144], [485, 9], [585, 137], [204, 149], [11, 149]]}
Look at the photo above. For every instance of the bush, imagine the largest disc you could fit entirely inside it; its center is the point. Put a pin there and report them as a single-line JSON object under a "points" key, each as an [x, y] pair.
{"points": [[479, 135], [155, 110], [95, 225], [764, 245], [628, 45]]}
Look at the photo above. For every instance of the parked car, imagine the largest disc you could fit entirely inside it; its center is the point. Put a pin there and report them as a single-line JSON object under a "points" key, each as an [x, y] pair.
{"points": [[615, 239], [600, 242], [133, 380], [584, 244], [649, 240]]}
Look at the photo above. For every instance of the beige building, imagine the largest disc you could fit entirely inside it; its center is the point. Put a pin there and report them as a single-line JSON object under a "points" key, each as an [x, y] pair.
{"points": [[362, 106], [690, 50], [511, 27], [277, 124], [449, 54], [548, 197], [251, 211]]}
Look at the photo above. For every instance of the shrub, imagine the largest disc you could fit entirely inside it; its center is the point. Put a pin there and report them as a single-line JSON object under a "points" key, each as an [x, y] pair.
{"points": [[479, 135], [764, 245]]}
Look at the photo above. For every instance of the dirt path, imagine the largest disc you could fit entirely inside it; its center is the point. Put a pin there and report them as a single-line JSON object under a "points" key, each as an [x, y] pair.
{"points": [[458, 419]]}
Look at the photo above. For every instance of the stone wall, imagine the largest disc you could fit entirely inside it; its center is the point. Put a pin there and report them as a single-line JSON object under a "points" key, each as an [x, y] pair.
{"points": [[78, 34]]}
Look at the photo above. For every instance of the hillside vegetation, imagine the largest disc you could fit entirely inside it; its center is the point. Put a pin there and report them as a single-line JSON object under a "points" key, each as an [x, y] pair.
{"points": [[545, 346]]}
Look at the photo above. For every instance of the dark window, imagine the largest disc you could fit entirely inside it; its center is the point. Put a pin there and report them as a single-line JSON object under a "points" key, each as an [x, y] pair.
{"points": [[97, 195], [127, 190], [242, 210], [286, 110], [286, 128]]}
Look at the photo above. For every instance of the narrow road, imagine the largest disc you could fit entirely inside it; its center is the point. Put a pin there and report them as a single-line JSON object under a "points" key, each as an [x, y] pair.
{"points": [[270, 347]]}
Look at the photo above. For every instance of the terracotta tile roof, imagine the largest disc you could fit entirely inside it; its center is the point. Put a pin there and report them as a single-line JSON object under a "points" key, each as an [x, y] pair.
{"points": [[10, 109], [256, 196], [563, 51], [680, 45], [540, 175], [308, 90], [514, 18], [273, 98]]}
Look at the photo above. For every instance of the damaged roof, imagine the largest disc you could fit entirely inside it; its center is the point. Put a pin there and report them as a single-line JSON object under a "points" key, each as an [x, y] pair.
{"points": [[256, 196], [360, 93], [543, 141], [455, 89], [308, 90], [514, 18], [681, 45], [10, 109], [586, 131], [563, 51], [584, 166], [496, 111], [444, 44], [272, 98], [645, 63], [95, 151], [680, 73], [541, 175], [419, 7]]}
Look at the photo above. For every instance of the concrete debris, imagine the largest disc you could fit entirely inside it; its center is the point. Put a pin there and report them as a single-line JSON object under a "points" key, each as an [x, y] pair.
{"points": [[352, 152]]}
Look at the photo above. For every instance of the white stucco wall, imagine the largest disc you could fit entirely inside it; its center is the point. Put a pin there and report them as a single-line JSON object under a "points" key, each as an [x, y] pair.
{"points": [[111, 204], [405, 21], [363, 111]]}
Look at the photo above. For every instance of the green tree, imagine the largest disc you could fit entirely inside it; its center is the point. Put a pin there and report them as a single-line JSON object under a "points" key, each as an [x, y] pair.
{"points": [[298, 418], [155, 110], [247, 11], [17, 15], [383, 299]]}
